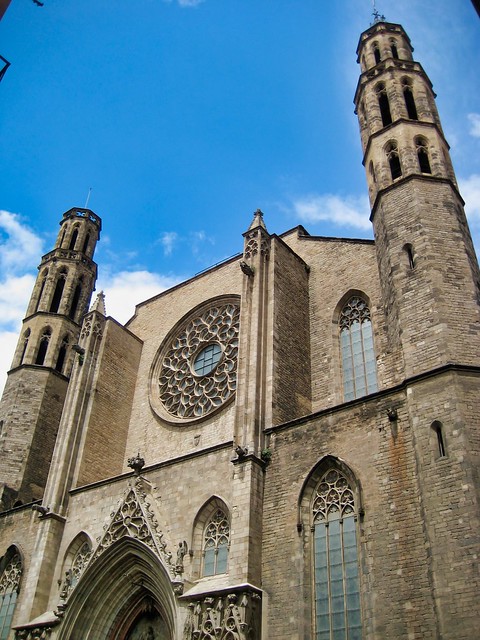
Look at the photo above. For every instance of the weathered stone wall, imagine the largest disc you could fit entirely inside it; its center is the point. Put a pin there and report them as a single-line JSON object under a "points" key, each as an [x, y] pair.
{"points": [[18, 527], [432, 310], [340, 268], [153, 320], [395, 583], [290, 360], [103, 451], [31, 407], [449, 493]]}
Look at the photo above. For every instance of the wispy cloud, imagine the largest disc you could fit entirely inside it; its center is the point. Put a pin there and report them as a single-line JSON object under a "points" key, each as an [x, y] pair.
{"points": [[470, 190], [19, 245], [186, 3], [474, 124], [20, 250], [348, 211], [168, 240], [124, 289]]}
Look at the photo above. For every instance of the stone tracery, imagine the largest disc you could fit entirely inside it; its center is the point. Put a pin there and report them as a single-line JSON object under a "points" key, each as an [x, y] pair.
{"points": [[183, 393]]}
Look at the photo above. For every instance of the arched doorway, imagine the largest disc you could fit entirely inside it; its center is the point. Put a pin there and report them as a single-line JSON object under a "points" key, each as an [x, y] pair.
{"points": [[140, 619], [124, 594]]}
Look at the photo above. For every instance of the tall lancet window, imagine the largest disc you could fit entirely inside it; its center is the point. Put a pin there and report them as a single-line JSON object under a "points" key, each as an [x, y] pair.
{"points": [[216, 541], [337, 591], [358, 355], [9, 588]]}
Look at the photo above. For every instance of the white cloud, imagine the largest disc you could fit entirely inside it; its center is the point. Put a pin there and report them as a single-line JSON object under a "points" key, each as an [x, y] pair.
{"points": [[349, 211], [20, 250], [168, 240], [470, 190], [475, 124], [14, 296], [8, 342], [19, 246], [125, 289]]}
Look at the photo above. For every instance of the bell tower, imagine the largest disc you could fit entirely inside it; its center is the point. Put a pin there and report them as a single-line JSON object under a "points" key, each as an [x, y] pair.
{"points": [[430, 280], [35, 391], [428, 270]]}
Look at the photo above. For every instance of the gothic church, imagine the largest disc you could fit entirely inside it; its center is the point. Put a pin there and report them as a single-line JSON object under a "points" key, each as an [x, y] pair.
{"points": [[283, 447]]}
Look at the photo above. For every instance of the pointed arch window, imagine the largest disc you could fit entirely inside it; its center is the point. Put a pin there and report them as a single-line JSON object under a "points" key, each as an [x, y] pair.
{"points": [[62, 355], [9, 589], [409, 99], [76, 560], [42, 289], [393, 158], [421, 146], [57, 296], [358, 355], [384, 104], [86, 243], [215, 544], [337, 589], [75, 301], [393, 48], [376, 53], [26, 336], [43, 347], [73, 239]]}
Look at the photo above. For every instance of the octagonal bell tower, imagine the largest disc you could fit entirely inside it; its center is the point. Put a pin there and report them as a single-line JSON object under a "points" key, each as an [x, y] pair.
{"points": [[44, 356], [428, 269]]}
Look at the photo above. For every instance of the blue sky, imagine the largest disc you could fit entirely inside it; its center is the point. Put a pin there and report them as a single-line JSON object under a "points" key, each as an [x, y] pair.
{"points": [[185, 116]]}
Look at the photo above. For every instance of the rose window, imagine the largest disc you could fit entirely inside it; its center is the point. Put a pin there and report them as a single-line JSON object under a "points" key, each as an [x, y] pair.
{"points": [[195, 372]]}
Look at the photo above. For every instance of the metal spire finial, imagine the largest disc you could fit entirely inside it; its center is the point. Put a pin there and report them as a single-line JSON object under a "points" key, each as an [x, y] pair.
{"points": [[377, 17]]}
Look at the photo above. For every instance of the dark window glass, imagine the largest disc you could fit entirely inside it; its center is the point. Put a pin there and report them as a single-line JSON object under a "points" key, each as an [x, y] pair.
{"points": [[73, 240], [337, 589], [57, 296]]}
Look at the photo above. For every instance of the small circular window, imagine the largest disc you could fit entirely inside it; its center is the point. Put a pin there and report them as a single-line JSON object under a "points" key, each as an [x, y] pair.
{"points": [[207, 359]]}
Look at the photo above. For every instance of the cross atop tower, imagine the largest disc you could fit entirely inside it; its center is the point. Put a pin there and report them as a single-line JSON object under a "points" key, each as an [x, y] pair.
{"points": [[377, 16]]}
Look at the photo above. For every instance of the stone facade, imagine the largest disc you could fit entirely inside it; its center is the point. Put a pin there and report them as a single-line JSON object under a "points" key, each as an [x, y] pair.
{"points": [[285, 446]]}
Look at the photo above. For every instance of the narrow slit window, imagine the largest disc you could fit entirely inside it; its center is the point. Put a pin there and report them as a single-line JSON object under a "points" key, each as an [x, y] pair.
{"points": [[376, 53], [441, 451], [410, 256], [393, 48]]}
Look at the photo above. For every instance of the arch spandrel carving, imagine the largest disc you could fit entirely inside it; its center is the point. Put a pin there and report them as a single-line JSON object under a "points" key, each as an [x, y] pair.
{"points": [[135, 517], [129, 578]]}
